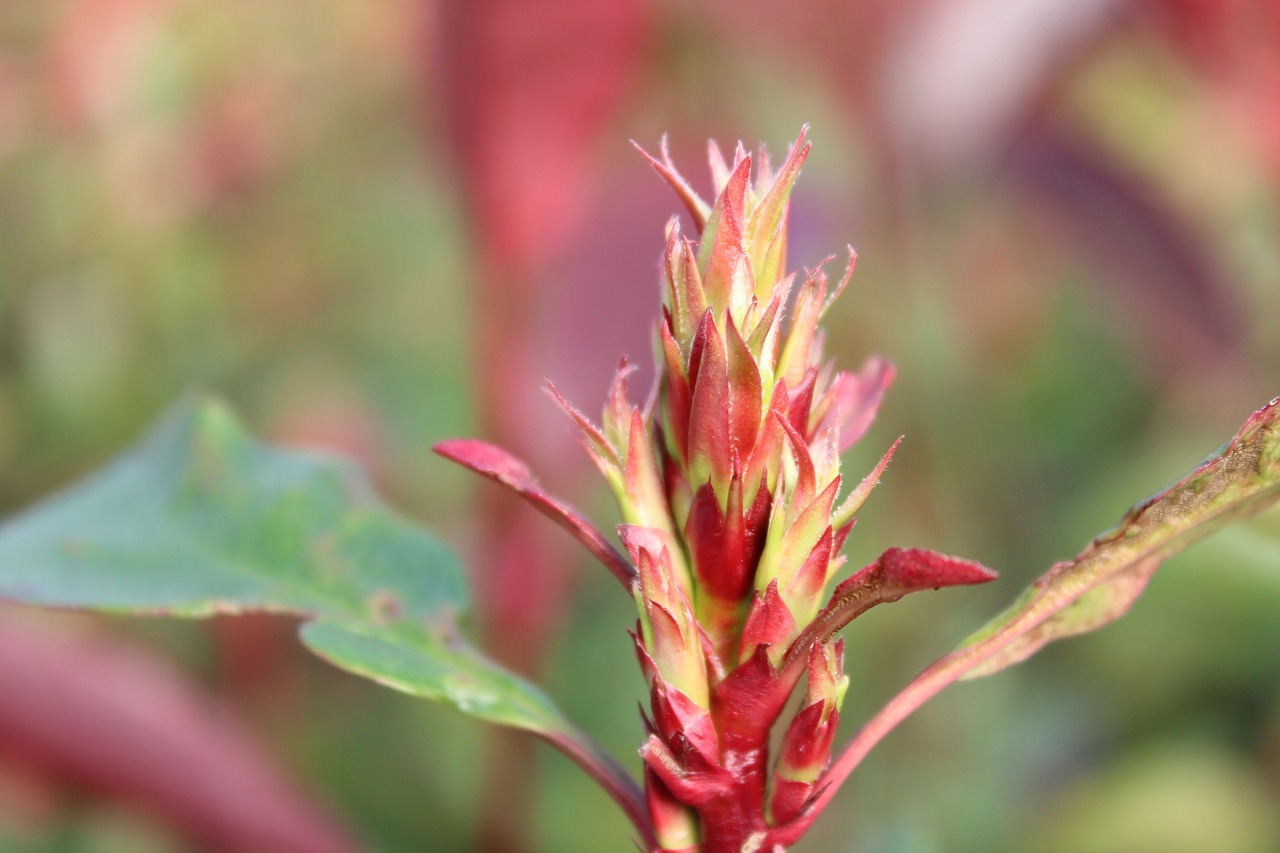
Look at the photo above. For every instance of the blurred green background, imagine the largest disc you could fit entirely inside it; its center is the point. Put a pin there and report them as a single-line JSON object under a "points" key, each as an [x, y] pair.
{"points": [[1066, 216]]}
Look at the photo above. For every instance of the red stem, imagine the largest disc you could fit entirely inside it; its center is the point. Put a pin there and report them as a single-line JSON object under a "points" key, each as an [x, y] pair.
{"points": [[608, 774]]}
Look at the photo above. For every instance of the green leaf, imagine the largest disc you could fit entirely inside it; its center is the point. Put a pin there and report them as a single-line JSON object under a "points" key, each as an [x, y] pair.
{"points": [[448, 671], [200, 519], [1102, 582]]}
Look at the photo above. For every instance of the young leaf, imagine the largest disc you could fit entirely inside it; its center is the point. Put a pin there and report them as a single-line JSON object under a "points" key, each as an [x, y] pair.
{"points": [[200, 519], [1094, 588]]}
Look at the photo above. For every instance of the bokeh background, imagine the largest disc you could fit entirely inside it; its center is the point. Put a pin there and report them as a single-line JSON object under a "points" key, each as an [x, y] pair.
{"points": [[375, 225]]}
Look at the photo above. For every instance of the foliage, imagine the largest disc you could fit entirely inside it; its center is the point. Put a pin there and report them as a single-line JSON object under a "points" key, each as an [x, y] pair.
{"points": [[732, 533]]}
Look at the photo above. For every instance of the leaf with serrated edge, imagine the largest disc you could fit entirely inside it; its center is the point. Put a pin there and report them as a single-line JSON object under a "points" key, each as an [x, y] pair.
{"points": [[1091, 590], [1101, 583], [200, 519]]}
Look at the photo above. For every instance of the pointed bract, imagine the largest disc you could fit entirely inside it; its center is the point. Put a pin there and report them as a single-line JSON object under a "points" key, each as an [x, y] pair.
{"points": [[745, 394], [698, 209], [727, 479], [769, 624], [721, 245], [710, 441], [856, 498], [767, 221]]}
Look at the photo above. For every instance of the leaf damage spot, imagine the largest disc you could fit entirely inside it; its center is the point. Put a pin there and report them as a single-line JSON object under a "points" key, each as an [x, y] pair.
{"points": [[384, 607]]}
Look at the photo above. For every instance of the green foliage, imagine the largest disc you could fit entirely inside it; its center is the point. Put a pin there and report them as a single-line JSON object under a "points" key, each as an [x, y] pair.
{"points": [[1101, 583], [200, 519]]}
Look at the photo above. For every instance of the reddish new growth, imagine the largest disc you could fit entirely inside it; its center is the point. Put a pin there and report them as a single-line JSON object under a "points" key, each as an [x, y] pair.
{"points": [[734, 516]]}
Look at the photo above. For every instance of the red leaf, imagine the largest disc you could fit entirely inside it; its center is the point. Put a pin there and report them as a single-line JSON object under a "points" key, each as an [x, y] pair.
{"points": [[911, 569], [895, 573], [501, 467]]}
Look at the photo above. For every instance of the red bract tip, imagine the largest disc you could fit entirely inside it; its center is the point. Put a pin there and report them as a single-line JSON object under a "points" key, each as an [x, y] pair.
{"points": [[710, 446], [807, 744], [769, 623], [680, 720], [698, 209], [617, 412], [856, 498], [721, 245], [806, 749], [806, 484], [745, 392], [804, 590], [767, 222], [719, 546], [750, 699]]}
